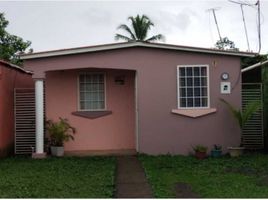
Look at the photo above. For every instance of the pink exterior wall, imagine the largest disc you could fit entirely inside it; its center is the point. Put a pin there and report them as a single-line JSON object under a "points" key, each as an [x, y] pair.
{"points": [[159, 130], [9, 79], [112, 132]]}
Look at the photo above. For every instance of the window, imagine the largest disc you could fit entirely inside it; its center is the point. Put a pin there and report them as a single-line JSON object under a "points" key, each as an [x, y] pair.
{"points": [[193, 86], [92, 91]]}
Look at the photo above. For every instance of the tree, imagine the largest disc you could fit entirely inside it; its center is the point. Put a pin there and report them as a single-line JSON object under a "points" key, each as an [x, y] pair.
{"points": [[140, 26], [10, 45], [226, 44]]}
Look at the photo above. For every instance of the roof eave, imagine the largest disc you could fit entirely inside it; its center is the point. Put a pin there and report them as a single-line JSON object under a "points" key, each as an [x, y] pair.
{"points": [[132, 44]]}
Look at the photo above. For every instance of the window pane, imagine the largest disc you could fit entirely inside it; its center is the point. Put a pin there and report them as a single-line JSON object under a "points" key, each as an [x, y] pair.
{"points": [[189, 71], [190, 92], [197, 92], [183, 92], [197, 102], [196, 71], [189, 81], [203, 71], [197, 81], [82, 86], [204, 91], [182, 71], [203, 81], [190, 102], [183, 102], [204, 102], [182, 82]]}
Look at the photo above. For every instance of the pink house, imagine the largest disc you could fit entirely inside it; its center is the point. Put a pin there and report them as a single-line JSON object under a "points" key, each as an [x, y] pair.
{"points": [[138, 97], [11, 77]]}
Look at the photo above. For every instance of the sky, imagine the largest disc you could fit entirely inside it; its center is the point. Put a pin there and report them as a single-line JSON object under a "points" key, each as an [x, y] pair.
{"points": [[51, 25]]}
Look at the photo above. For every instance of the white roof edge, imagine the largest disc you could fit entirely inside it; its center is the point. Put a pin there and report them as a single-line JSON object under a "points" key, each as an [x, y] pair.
{"points": [[131, 44], [254, 66]]}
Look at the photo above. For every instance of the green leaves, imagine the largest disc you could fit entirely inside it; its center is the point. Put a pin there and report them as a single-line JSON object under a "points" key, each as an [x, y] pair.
{"points": [[68, 177], [60, 132], [140, 26], [243, 116], [10, 45]]}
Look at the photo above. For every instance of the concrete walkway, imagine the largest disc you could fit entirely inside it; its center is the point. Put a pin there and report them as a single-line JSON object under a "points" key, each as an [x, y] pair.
{"points": [[130, 179]]}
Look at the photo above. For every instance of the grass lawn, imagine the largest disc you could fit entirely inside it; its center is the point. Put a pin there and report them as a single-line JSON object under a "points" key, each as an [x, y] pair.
{"points": [[243, 177], [86, 177]]}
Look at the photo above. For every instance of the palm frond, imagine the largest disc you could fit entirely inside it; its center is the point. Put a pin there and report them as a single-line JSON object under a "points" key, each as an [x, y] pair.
{"points": [[243, 116], [235, 112], [138, 31], [249, 110], [122, 37], [127, 29], [156, 38]]}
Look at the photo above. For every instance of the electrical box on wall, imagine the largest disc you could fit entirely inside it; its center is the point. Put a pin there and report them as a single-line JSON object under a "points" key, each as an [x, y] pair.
{"points": [[225, 88]]}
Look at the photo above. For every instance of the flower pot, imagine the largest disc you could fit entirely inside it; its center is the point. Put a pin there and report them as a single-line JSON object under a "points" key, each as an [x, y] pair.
{"points": [[57, 151], [216, 153], [200, 155], [236, 151]]}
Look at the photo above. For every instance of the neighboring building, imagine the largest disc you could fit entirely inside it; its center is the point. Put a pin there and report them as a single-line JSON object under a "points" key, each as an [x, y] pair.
{"points": [[11, 77], [145, 97]]}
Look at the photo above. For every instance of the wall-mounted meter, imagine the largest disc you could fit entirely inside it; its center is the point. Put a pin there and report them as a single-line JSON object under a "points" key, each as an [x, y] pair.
{"points": [[225, 88]]}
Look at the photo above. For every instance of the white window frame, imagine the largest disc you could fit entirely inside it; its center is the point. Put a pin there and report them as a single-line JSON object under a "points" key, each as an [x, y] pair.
{"points": [[78, 91], [178, 86]]}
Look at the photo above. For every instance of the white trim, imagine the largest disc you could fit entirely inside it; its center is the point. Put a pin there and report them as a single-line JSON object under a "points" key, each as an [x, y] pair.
{"points": [[136, 112], [39, 115], [78, 91], [178, 86], [132, 44], [254, 66]]}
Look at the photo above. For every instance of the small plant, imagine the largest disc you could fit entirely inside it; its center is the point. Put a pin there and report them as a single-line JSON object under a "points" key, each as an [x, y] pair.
{"points": [[216, 151], [200, 148], [59, 132], [242, 117], [200, 151], [217, 147]]}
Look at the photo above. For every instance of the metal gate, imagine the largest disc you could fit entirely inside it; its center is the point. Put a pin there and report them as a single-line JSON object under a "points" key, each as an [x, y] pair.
{"points": [[253, 131], [24, 120]]}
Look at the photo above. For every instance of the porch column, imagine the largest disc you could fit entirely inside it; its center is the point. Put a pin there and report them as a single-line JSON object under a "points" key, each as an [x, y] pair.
{"points": [[39, 119]]}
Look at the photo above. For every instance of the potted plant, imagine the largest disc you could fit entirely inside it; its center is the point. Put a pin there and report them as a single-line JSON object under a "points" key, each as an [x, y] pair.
{"points": [[59, 132], [200, 152], [242, 118], [216, 151]]}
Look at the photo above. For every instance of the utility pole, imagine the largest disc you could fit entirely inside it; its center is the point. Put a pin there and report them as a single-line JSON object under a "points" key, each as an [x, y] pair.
{"points": [[215, 18]]}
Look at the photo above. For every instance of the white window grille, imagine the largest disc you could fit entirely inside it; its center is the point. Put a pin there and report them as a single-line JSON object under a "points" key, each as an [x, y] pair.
{"points": [[92, 91], [193, 86]]}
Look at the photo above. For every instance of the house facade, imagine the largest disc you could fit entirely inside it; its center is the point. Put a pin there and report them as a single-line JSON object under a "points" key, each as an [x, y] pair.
{"points": [[11, 77], [138, 97]]}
